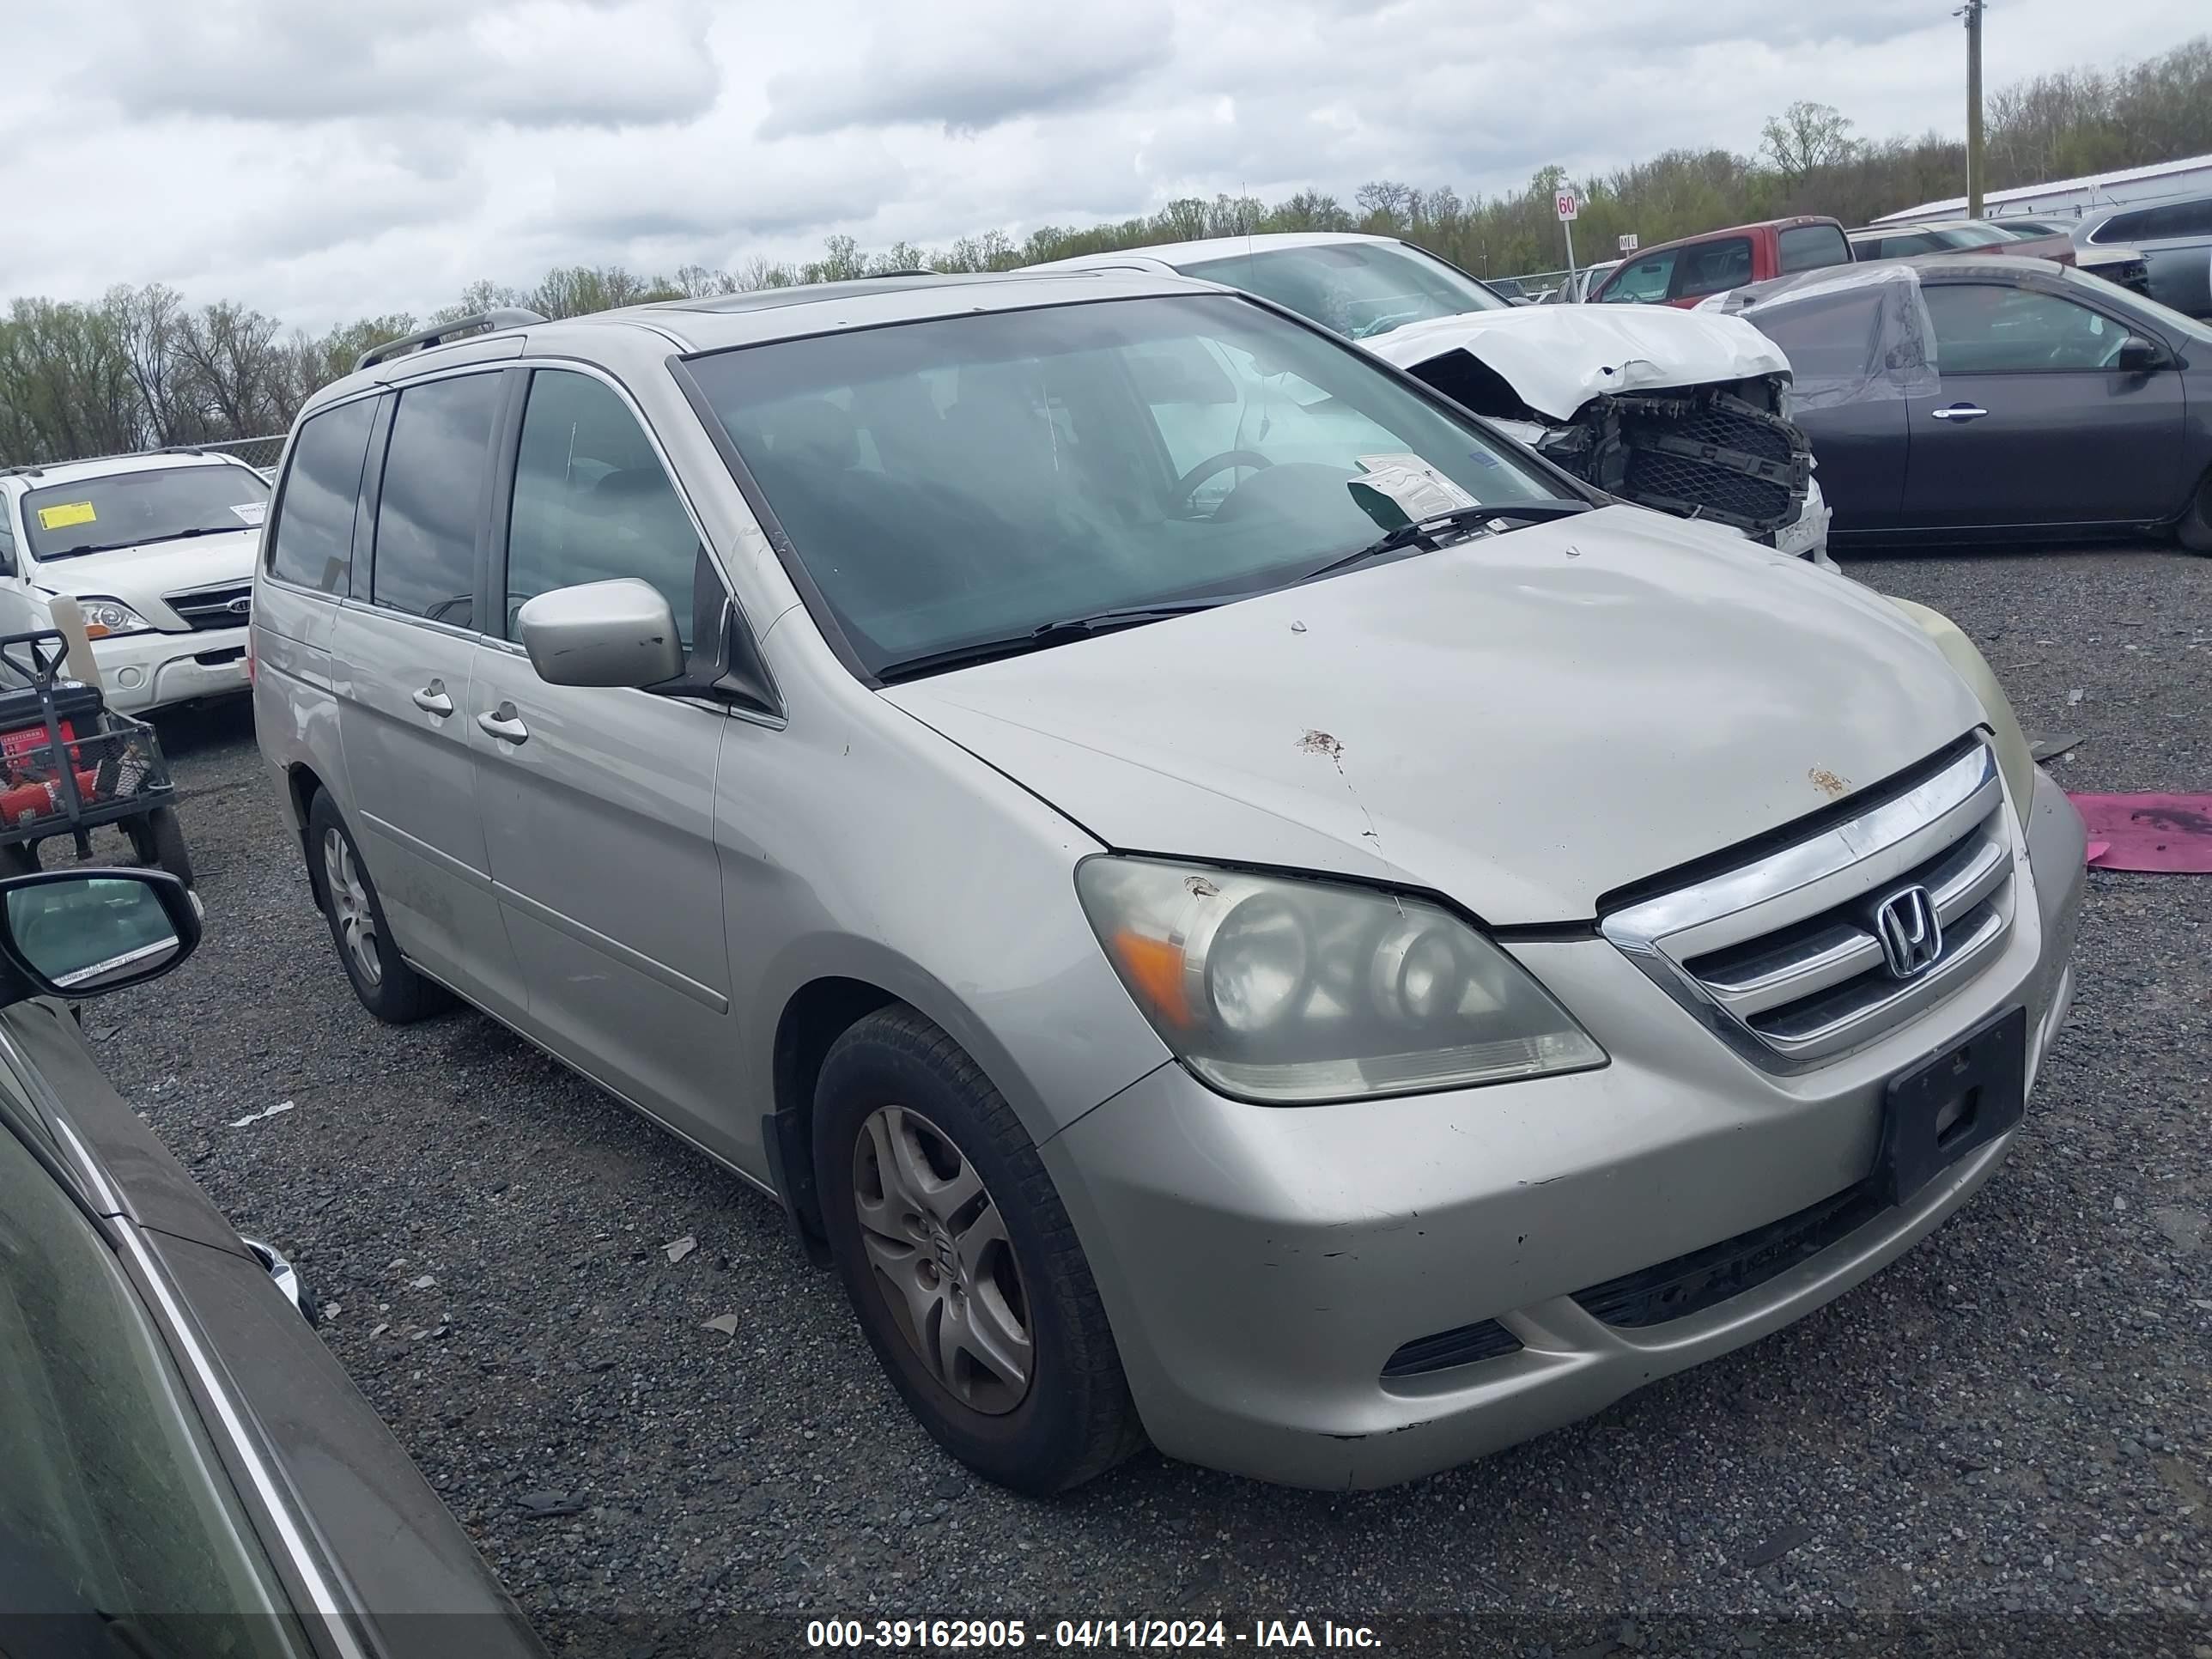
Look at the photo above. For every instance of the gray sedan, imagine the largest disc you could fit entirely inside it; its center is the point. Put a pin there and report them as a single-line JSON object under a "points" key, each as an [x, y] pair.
{"points": [[1960, 398]]}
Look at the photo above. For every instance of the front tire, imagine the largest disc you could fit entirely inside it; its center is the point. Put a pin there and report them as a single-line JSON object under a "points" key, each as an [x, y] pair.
{"points": [[961, 1263], [2195, 530], [387, 986]]}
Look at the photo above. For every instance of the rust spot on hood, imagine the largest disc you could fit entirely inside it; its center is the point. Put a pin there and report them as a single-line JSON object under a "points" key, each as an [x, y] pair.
{"points": [[1828, 783], [1320, 743]]}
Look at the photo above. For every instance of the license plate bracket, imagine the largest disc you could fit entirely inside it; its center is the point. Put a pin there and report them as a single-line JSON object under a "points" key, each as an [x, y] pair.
{"points": [[1944, 1108]]}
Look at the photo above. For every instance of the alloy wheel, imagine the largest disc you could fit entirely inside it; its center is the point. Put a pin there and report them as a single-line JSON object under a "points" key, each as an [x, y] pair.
{"points": [[350, 909], [939, 1255]]}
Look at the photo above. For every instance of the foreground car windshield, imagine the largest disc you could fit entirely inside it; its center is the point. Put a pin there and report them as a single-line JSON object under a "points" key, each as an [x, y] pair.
{"points": [[972, 478], [1357, 288], [126, 510]]}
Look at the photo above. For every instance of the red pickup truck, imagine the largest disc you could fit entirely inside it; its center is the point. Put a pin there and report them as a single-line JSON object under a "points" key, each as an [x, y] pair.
{"points": [[1684, 271]]}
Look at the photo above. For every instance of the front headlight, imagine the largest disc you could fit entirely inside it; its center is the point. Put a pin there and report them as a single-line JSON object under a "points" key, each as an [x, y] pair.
{"points": [[1287, 991], [105, 618], [2015, 759]]}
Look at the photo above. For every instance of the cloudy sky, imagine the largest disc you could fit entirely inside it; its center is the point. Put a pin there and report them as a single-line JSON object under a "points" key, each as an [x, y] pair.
{"points": [[329, 159]]}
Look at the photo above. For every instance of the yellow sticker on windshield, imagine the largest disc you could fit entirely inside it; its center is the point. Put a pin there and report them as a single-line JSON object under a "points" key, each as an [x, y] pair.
{"points": [[62, 517]]}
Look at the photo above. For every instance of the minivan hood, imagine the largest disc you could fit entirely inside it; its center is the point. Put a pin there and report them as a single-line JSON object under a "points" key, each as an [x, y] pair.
{"points": [[147, 572], [1557, 358], [1524, 723]]}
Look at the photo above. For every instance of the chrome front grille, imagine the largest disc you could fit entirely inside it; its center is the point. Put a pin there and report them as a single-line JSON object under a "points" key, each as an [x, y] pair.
{"points": [[1782, 955], [230, 605]]}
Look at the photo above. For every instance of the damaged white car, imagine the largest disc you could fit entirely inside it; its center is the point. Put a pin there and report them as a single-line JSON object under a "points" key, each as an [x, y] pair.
{"points": [[1685, 412]]}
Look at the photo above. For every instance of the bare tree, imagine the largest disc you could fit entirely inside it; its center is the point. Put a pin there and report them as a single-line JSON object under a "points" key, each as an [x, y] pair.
{"points": [[1806, 136]]}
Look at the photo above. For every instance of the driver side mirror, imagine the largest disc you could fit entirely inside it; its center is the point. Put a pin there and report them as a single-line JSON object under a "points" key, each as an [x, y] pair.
{"points": [[610, 632], [81, 933], [2138, 356]]}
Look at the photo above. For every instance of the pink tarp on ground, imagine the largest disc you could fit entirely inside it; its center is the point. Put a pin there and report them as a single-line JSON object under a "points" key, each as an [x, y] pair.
{"points": [[2168, 834]]}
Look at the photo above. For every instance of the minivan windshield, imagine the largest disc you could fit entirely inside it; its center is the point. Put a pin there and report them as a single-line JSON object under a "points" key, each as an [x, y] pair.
{"points": [[970, 479], [130, 509], [1360, 289]]}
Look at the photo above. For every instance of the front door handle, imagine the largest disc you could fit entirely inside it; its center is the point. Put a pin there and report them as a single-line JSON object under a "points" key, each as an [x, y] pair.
{"points": [[432, 699], [505, 724], [1960, 412]]}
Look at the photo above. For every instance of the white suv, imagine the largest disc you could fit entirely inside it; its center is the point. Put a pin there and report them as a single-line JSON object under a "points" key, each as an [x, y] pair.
{"points": [[158, 550]]}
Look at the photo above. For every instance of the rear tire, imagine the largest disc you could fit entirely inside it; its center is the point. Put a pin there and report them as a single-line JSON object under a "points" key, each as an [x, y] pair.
{"points": [[158, 839], [968, 1271], [387, 986], [2195, 529]]}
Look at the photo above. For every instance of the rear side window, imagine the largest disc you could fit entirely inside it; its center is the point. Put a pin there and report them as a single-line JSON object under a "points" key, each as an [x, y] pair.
{"points": [[1713, 267], [312, 542], [1906, 245], [1834, 337], [437, 472], [592, 503], [2157, 223], [1807, 247]]}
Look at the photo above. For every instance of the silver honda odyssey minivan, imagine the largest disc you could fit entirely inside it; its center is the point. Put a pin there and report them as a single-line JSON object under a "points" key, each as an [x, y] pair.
{"points": [[1333, 954]]}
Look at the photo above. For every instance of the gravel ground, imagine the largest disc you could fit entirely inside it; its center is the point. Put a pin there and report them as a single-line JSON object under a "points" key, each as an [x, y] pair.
{"points": [[2010, 1424]]}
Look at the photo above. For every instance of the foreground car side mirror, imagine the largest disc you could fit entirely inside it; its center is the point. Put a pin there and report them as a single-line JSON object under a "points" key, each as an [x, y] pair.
{"points": [[612, 633], [2138, 356], [81, 933]]}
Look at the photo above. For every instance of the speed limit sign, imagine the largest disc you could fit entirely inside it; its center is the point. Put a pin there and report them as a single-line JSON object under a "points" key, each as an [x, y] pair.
{"points": [[1568, 205]]}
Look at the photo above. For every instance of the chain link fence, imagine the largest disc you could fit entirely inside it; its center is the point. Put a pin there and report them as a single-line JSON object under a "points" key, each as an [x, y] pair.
{"points": [[260, 453]]}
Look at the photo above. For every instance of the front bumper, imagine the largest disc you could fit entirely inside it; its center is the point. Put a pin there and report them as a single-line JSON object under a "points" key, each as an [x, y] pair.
{"points": [[1261, 1265], [139, 671]]}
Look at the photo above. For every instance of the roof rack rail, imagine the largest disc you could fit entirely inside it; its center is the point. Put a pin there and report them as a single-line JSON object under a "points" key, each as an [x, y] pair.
{"points": [[198, 451], [438, 333], [904, 270]]}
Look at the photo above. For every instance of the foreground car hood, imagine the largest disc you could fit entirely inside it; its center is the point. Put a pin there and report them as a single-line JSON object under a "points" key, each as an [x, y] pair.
{"points": [[1559, 357], [131, 574], [1523, 724]]}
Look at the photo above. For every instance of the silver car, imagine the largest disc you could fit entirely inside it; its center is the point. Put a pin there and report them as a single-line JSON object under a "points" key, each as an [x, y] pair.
{"points": [[1335, 954]]}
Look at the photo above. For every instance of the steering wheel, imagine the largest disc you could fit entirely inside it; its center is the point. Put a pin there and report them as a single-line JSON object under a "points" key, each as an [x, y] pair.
{"points": [[1183, 488]]}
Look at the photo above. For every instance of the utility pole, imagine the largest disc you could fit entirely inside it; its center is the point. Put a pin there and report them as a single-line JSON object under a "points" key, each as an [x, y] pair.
{"points": [[1971, 11]]}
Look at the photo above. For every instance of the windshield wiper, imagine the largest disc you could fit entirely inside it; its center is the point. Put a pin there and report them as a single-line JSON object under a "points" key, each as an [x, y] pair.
{"points": [[1044, 635], [1405, 535], [140, 541]]}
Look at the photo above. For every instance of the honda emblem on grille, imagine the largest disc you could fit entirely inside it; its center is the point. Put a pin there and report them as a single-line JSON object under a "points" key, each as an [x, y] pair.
{"points": [[1910, 931], [239, 607]]}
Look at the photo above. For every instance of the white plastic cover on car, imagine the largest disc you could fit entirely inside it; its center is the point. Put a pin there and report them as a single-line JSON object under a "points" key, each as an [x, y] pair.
{"points": [[1557, 358], [1898, 358]]}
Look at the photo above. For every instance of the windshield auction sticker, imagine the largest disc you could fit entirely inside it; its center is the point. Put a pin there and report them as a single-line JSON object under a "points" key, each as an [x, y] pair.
{"points": [[61, 517]]}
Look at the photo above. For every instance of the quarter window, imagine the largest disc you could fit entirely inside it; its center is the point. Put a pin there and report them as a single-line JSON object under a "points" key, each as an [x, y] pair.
{"points": [[2174, 219], [1986, 328], [592, 503], [436, 473], [311, 542]]}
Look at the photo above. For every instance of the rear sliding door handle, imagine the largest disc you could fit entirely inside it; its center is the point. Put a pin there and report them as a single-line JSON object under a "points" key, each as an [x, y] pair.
{"points": [[432, 699], [1960, 412], [505, 724]]}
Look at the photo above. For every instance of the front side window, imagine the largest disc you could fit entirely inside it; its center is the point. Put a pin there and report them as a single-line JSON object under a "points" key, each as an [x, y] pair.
{"points": [[1903, 245], [1809, 247], [311, 541], [437, 470], [1983, 328], [113, 1511], [1360, 289], [973, 478], [132, 509], [1643, 281], [592, 503], [1714, 267]]}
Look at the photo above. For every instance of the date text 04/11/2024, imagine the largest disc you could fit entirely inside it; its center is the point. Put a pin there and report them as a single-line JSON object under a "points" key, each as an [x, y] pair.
{"points": [[1004, 1634]]}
